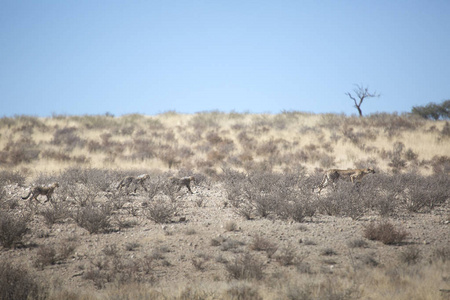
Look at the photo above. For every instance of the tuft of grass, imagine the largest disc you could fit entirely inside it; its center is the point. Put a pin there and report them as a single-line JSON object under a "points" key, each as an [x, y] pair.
{"points": [[260, 243], [410, 256], [231, 226], [357, 243], [245, 267]]}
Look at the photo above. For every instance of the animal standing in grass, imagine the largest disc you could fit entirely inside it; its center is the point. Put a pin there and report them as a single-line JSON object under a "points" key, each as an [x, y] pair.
{"points": [[332, 176], [183, 181], [136, 180], [42, 190]]}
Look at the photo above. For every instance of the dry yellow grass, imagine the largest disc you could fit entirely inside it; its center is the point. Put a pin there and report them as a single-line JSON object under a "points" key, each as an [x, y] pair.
{"points": [[291, 133], [204, 143]]}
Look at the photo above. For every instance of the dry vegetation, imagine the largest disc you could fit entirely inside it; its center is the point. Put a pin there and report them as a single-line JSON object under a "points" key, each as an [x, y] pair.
{"points": [[253, 229]]}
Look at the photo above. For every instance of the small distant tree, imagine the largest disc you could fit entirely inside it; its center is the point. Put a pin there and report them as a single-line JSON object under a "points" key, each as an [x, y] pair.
{"points": [[361, 93]]}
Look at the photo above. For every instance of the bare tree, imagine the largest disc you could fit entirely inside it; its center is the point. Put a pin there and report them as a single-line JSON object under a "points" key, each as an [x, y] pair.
{"points": [[361, 93]]}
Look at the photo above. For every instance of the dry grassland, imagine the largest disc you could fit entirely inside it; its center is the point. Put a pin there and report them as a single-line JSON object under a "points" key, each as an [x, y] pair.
{"points": [[253, 229]]}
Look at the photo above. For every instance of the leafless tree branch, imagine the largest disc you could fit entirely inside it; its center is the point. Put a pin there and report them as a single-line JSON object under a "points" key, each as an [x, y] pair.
{"points": [[361, 93]]}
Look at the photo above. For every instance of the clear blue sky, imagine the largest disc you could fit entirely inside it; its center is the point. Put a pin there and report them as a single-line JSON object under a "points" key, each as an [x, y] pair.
{"points": [[91, 57]]}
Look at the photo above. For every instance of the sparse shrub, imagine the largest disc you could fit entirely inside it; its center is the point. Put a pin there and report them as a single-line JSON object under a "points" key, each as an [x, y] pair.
{"points": [[299, 210], [111, 250], [160, 210], [94, 219], [213, 138], [309, 242], [215, 156], [328, 252], [119, 270], [56, 213], [264, 193], [410, 155], [132, 246], [385, 204], [24, 150], [242, 291], [158, 253], [93, 178], [199, 262], [217, 241], [11, 177], [357, 243], [288, 256], [169, 156], [329, 205], [296, 292], [17, 283], [441, 254], [410, 256], [190, 231], [260, 243], [326, 161], [66, 248], [369, 260], [385, 232], [118, 199], [45, 256], [83, 195], [441, 164], [245, 210], [67, 136], [354, 206], [425, 192], [231, 245], [397, 164], [189, 293], [231, 226], [268, 148], [12, 228], [143, 149], [245, 267]]}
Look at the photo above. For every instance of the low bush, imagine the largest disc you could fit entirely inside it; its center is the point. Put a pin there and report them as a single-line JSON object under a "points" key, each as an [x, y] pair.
{"points": [[118, 270], [160, 210], [245, 267], [94, 219], [441, 165], [265, 193], [17, 283], [287, 256], [410, 256], [67, 137], [242, 291], [12, 228], [231, 245], [260, 243], [385, 232], [11, 177], [200, 261], [441, 254], [357, 243], [45, 256], [56, 213]]}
